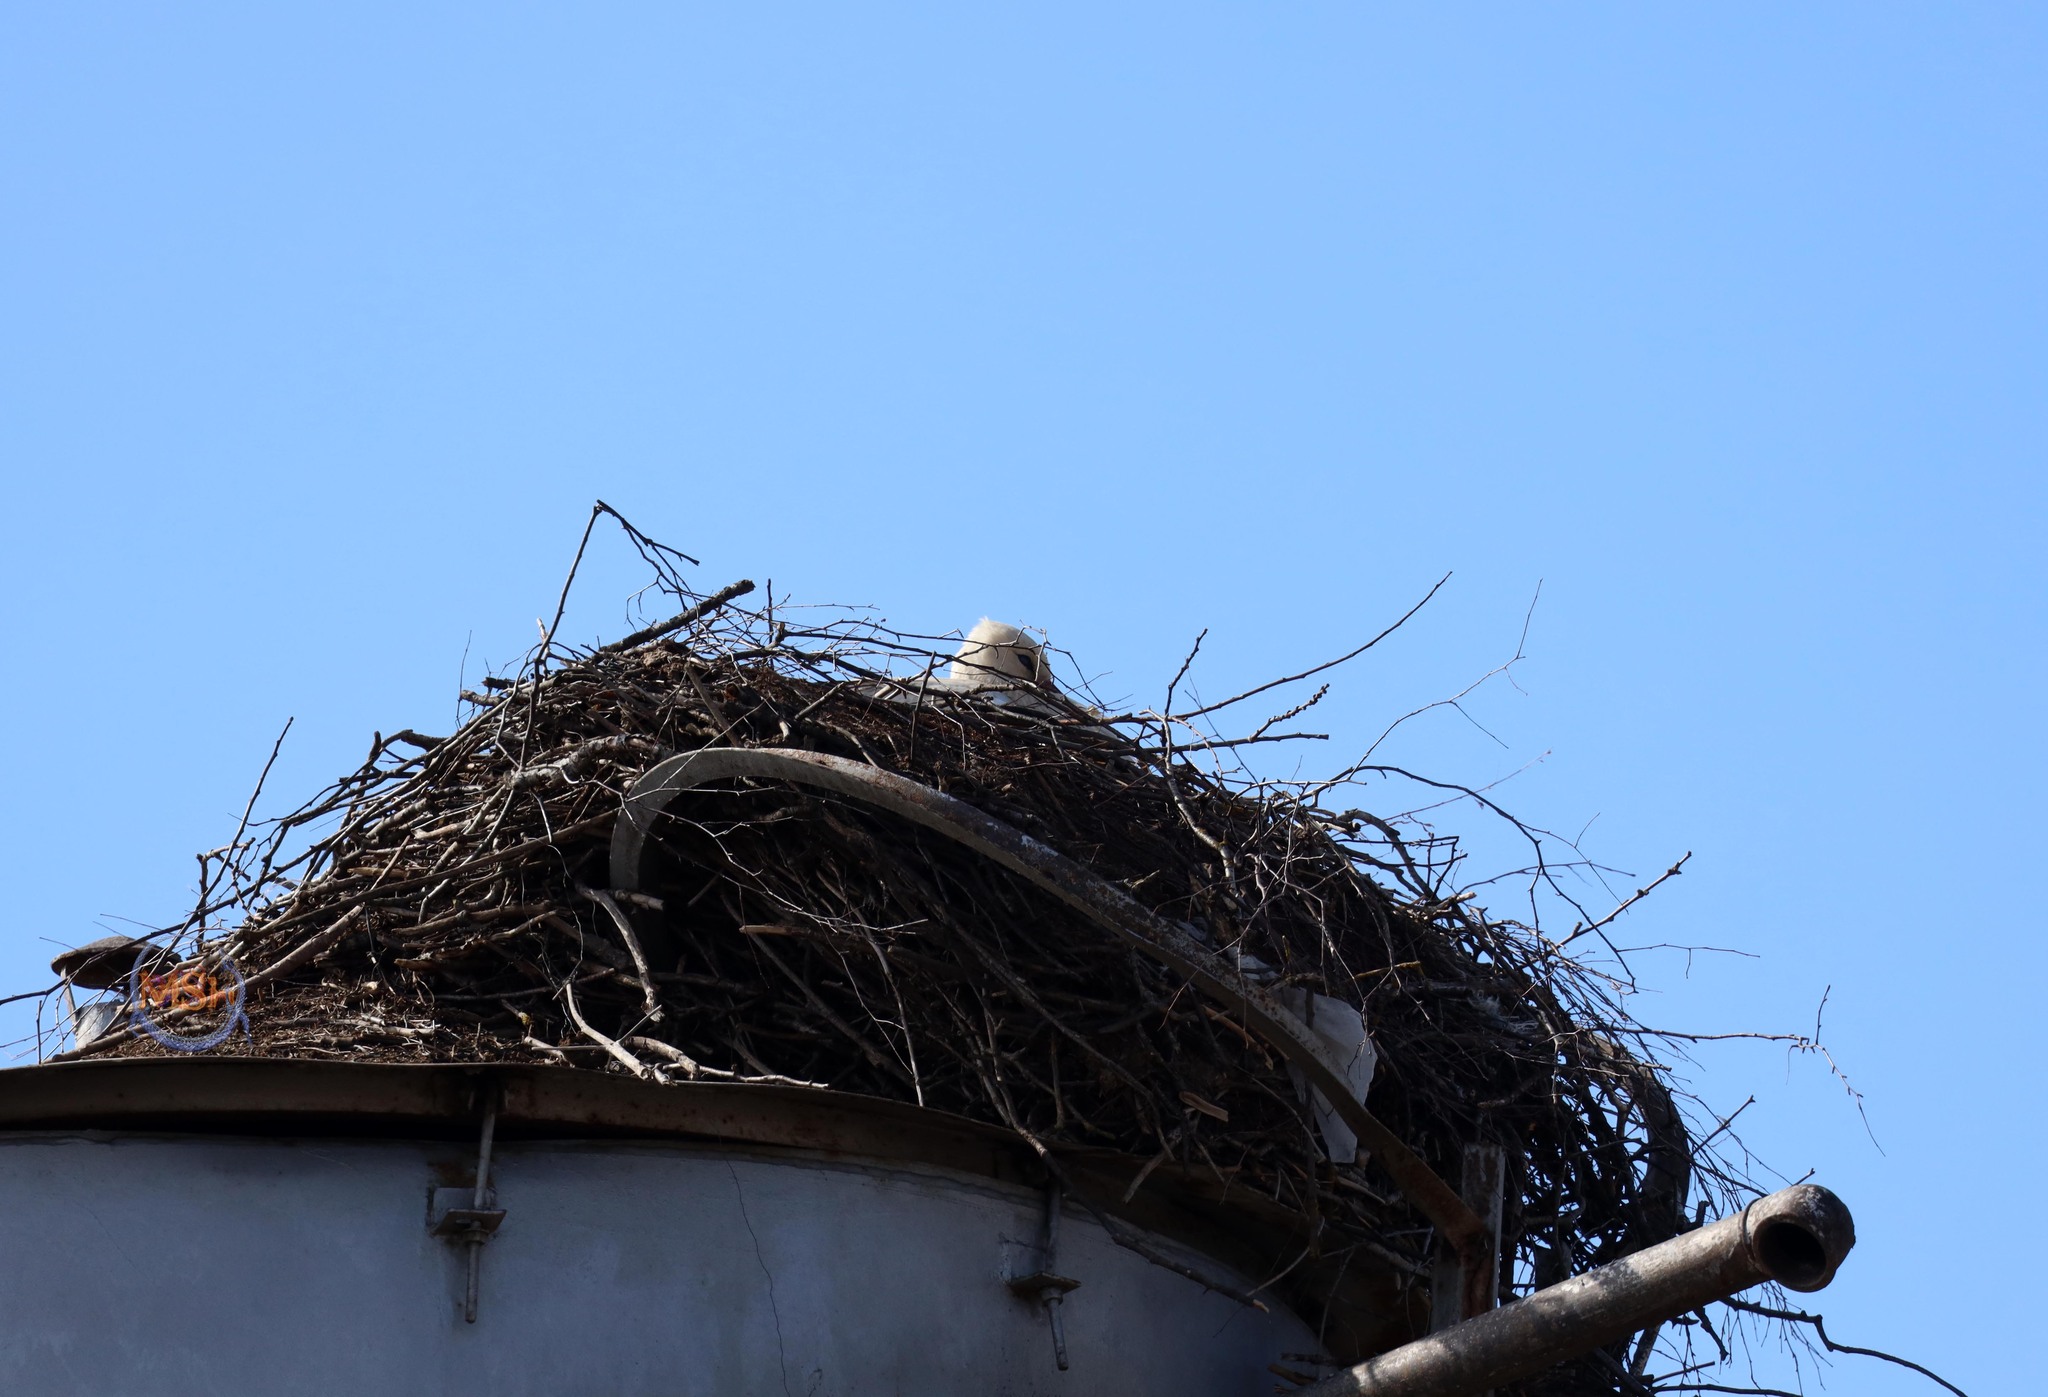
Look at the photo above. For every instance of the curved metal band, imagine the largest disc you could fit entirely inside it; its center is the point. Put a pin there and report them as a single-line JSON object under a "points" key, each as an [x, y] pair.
{"points": [[1105, 905]]}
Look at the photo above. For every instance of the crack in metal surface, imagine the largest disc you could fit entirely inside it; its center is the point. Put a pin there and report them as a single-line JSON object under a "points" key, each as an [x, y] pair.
{"points": [[775, 1311]]}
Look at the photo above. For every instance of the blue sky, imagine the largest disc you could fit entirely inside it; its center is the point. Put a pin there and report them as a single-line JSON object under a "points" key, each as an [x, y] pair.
{"points": [[321, 331]]}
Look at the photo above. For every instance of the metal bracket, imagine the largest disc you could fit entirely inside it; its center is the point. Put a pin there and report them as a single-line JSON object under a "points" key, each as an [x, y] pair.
{"points": [[477, 1223], [1035, 1285], [1464, 1285], [1044, 1285], [453, 1214]]}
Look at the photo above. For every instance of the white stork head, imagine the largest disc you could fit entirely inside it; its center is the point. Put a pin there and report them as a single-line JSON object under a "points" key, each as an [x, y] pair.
{"points": [[996, 656]]}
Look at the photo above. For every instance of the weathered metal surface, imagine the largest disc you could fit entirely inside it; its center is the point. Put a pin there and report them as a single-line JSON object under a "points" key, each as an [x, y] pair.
{"points": [[1366, 1307], [1107, 906], [1797, 1237], [189, 1093], [1461, 1288], [186, 1265]]}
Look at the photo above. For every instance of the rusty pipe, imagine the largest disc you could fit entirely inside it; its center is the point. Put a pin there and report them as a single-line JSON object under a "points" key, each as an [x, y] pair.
{"points": [[1105, 905], [1796, 1237]]}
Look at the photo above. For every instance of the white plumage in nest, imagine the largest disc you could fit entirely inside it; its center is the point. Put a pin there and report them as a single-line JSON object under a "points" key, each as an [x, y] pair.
{"points": [[996, 656]]}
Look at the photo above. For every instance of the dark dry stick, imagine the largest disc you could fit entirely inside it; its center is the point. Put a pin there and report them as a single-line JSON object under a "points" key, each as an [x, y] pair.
{"points": [[675, 623]]}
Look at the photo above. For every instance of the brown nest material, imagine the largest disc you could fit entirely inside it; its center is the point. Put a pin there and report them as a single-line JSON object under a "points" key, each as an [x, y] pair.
{"points": [[452, 900]]}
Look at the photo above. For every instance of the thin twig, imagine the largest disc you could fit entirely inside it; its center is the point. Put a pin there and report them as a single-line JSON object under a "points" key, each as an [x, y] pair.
{"points": [[1819, 1325]]}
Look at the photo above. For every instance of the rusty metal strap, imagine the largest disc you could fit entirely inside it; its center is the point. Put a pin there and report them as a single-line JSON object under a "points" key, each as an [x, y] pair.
{"points": [[1107, 906]]}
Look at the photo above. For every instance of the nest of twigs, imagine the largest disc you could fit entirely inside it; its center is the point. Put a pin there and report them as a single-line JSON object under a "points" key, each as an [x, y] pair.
{"points": [[449, 901]]}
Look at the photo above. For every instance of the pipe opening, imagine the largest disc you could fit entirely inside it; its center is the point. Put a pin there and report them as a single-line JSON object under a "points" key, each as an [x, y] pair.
{"points": [[1792, 1255]]}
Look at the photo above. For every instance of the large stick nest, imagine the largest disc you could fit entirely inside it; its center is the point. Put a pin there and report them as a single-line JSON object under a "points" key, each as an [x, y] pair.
{"points": [[447, 902]]}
